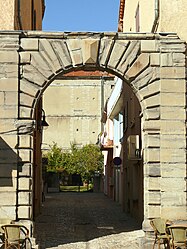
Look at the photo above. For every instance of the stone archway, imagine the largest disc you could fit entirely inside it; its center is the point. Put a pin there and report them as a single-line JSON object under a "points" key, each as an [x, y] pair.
{"points": [[152, 64]]}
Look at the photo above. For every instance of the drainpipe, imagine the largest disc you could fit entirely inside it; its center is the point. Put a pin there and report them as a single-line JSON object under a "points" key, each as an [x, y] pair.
{"points": [[102, 98], [19, 14], [155, 23]]}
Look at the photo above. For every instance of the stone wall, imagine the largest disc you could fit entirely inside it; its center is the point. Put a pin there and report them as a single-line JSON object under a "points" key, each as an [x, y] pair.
{"points": [[153, 65]]}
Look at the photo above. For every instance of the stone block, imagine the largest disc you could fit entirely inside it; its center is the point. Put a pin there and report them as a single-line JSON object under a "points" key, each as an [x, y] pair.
{"points": [[173, 155], [9, 57], [179, 59], [150, 89], [25, 57], [149, 46], [63, 52], [90, 49], [130, 55], [7, 198], [24, 212], [10, 98], [8, 212], [152, 169], [172, 46], [29, 88], [152, 140], [149, 75], [25, 141], [104, 51], [152, 183], [25, 112], [173, 169], [173, 199], [75, 48], [24, 198], [9, 112], [117, 52], [25, 169], [31, 73], [153, 100], [174, 141], [30, 44], [9, 85], [9, 71], [26, 100], [38, 62], [172, 72], [24, 183], [48, 53], [174, 113], [174, 212], [138, 66], [154, 198], [172, 127], [167, 99], [155, 59], [151, 126], [173, 184], [9, 42], [152, 113], [173, 86], [166, 60], [153, 211], [25, 155]]}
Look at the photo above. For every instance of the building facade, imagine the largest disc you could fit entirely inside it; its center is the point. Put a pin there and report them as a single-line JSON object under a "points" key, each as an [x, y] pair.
{"points": [[154, 68], [153, 16], [75, 119], [21, 14], [162, 129]]}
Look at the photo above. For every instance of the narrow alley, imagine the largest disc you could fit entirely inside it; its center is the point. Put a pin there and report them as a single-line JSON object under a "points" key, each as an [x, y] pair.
{"points": [[85, 220]]}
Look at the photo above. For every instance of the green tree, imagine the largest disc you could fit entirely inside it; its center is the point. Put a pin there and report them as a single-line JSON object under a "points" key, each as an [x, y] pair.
{"points": [[91, 160], [84, 161], [55, 158]]}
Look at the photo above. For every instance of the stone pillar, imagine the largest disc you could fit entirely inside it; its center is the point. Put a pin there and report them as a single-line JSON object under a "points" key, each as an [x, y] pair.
{"points": [[165, 140], [9, 68], [173, 131]]}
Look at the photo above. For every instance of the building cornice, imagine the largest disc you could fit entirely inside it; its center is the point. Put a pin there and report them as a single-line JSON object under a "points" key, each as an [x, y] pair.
{"points": [[121, 15]]}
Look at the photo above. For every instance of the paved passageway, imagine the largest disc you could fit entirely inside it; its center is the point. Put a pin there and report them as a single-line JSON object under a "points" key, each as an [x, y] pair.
{"points": [[85, 220]]}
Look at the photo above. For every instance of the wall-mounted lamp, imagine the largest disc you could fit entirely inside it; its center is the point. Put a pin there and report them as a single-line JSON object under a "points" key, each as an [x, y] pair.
{"points": [[43, 121]]}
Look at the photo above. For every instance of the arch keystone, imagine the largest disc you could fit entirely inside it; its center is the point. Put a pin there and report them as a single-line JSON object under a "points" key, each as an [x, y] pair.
{"points": [[90, 51]]}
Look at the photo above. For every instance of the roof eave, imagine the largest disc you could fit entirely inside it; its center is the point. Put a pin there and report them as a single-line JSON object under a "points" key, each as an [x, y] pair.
{"points": [[121, 15]]}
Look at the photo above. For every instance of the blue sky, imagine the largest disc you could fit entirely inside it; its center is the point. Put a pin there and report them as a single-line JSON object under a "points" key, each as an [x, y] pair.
{"points": [[81, 15]]}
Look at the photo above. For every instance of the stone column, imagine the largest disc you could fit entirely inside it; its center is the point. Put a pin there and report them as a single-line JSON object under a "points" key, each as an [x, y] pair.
{"points": [[9, 68], [173, 130]]}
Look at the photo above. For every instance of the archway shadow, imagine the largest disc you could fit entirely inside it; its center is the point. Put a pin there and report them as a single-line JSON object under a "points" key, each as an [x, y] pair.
{"points": [[80, 217], [8, 164]]}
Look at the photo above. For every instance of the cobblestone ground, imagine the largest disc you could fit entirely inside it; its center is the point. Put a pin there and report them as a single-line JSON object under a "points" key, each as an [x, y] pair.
{"points": [[85, 221]]}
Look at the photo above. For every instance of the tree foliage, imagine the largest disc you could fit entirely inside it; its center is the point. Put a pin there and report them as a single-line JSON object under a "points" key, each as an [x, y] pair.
{"points": [[84, 161], [55, 157]]}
